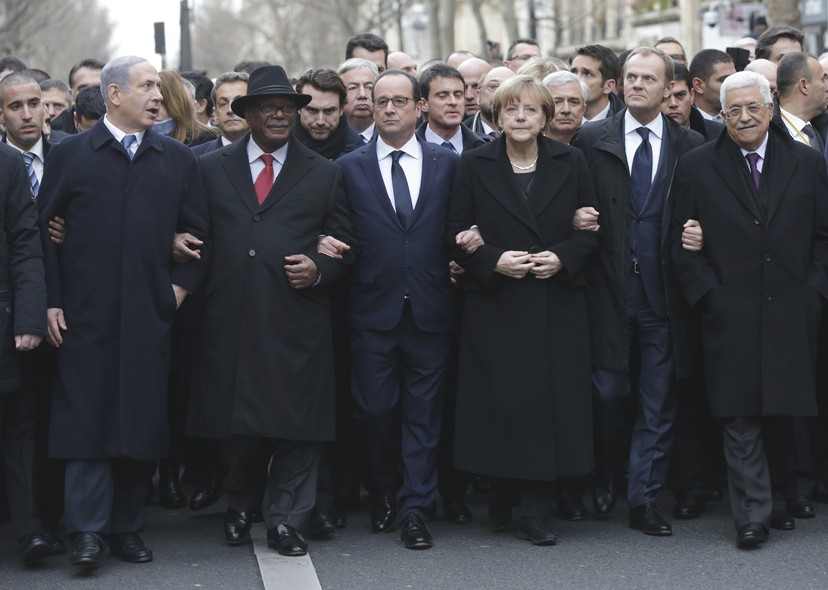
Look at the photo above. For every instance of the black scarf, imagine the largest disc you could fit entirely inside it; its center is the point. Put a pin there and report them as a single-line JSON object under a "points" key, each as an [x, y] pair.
{"points": [[329, 148]]}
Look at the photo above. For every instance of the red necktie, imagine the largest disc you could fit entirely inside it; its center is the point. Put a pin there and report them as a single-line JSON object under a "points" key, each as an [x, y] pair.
{"points": [[264, 182]]}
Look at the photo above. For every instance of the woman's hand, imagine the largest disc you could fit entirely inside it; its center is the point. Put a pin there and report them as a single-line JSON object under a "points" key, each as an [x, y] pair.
{"points": [[514, 264], [546, 264]]}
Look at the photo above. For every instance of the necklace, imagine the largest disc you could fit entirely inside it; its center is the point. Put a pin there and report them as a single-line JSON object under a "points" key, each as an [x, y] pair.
{"points": [[529, 167]]}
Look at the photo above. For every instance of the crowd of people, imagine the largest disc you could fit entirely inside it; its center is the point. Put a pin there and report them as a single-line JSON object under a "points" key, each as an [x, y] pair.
{"points": [[538, 279]]}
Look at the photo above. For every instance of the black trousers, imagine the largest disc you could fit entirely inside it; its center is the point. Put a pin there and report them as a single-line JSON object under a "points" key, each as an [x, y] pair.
{"points": [[17, 412]]}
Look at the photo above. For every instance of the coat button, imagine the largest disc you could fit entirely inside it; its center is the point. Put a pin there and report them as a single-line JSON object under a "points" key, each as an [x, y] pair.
{"points": [[768, 297], [403, 269], [8, 309], [755, 222], [612, 250], [256, 218], [252, 252], [767, 258]]}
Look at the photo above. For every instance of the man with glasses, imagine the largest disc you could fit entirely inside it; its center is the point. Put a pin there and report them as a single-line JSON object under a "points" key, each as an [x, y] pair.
{"points": [[521, 51], [483, 121], [264, 374], [400, 308], [758, 283]]}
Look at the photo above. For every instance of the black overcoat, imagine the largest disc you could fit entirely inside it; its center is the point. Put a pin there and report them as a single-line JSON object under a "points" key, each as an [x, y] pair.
{"points": [[524, 395], [265, 367], [113, 278], [761, 275]]}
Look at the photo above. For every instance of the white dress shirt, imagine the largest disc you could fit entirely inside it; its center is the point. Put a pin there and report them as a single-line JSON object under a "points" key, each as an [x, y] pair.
{"points": [[254, 153], [119, 135], [411, 162], [632, 139]]}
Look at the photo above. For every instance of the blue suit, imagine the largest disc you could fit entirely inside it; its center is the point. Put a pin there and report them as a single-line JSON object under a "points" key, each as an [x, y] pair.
{"points": [[401, 319]]}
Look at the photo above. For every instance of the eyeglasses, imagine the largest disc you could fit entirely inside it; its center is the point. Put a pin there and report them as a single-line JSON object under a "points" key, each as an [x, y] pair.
{"points": [[753, 108], [268, 110], [521, 57], [398, 102]]}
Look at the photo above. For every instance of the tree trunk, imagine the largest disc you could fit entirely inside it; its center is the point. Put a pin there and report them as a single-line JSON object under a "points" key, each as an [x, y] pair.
{"points": [[477, 10], [783, 12], [510, 18]]}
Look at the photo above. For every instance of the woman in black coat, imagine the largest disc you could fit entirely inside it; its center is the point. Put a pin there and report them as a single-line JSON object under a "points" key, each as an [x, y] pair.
{"points": [[524, 399]]}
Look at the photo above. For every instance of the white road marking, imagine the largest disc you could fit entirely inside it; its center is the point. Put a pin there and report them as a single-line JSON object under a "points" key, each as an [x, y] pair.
{"points": [[282, 573]]}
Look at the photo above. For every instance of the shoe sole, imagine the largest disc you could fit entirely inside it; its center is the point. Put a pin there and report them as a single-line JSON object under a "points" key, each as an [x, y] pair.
{"points": [[652, 533], [86, 562], [36, 554], [144, 559], [419, 545], [749, 543], [538, 542]]}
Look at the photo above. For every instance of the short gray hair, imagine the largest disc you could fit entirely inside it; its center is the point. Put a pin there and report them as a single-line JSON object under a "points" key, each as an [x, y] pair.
{"points": [[746, 80], [558, 79], [116, 71], [226, 78], [358, 62]]}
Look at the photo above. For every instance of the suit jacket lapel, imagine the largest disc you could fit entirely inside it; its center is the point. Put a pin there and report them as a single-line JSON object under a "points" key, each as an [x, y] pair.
{"points": [[550, 176], [370, 167], [431, 161], [238, 171], [666, 159]]}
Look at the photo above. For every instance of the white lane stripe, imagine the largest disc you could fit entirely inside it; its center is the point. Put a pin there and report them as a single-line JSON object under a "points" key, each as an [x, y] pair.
{"points": [[282, 573]]}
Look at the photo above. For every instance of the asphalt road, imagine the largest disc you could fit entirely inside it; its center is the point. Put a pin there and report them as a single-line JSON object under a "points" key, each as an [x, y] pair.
{"points": [[190, 553]]}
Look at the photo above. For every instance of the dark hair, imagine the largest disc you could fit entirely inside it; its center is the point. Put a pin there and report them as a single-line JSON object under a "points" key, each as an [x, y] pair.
{"points": [[438, 70], [668, 40], [89, 103], [705, 61], [203, 87], [54, 84], [10, 62], [610, 67], [680, 72], [367, 41], [91, 63], [38, 74], [226, 78], [415, 87], [324, 80], [248, 65], [792, 67], [767, 39], [516, 42], [15, 79]]}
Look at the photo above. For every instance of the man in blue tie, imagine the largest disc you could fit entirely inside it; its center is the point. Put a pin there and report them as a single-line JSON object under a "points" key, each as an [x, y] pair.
{"points": [[113, 289]]}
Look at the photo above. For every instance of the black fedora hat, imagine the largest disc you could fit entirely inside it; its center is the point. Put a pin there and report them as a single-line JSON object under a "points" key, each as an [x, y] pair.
{"points": [[265, 82]]}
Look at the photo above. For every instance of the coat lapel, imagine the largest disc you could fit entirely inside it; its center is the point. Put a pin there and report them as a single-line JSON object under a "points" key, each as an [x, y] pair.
{"points": [[783, 163], [726, 164], [296, 166], [550, 176], [238, 171]]}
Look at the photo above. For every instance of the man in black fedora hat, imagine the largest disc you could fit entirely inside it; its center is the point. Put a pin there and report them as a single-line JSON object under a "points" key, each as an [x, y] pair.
{"points": [[264, 374]]}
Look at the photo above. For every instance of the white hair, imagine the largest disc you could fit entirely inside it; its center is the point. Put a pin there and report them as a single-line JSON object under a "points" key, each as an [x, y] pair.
{"points": [[358, 62], [562, 78], [116, 71], [746, 80]]}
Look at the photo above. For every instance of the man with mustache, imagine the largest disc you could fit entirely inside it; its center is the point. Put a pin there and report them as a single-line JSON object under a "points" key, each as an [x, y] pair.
{"points": [[569, 94]]}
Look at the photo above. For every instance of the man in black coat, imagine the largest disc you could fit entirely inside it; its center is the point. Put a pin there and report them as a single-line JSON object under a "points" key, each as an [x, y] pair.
{"points": [[112, 292], [264, 373], [759, 283], [634, 302]]}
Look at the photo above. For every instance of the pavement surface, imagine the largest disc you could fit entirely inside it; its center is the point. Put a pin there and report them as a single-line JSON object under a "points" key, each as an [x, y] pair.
{"points": [[190, 553]]}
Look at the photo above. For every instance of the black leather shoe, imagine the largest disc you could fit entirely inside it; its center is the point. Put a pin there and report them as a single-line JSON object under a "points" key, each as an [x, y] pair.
{"points": [[782, 521], [321, 524], [207, 495], [570, 507], [287, 541], [383, 514], [340, 521], [169, 490], [236, 526], [800, 507], [414, 533], [819, 494], [538, 532], [604, 496], [646, 518], [34, 547], [688, 508], [87, 550], [751, 535], [456, 511], [130, 548], [56, 546]]}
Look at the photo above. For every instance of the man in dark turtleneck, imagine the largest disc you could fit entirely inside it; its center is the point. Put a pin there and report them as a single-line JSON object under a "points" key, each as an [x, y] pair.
{"points": [[323, 127]]}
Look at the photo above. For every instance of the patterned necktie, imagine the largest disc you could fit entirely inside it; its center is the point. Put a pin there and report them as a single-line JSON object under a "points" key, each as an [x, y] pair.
{"points": [[29, 157], [642, 169], [127, 142], [449, 146], [264, 182], [402, 194], [813, 138], [753, 161]]}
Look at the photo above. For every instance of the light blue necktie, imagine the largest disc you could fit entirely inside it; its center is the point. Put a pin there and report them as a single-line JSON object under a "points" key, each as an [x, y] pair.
{"points": [[29, 157], [127, 142]]}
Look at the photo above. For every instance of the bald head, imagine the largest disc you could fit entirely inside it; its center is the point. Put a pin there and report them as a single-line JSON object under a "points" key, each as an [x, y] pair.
{"points": [[490, 82], [397, 60], [458, 57], [766, 68], [472, 70]]}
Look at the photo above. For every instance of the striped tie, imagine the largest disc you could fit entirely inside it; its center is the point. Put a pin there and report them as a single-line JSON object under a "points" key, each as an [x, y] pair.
{"points": [[29, 157]]}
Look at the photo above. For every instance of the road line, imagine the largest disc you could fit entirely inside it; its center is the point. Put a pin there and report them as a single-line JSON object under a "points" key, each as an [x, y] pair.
{"points": [[279, 572]]}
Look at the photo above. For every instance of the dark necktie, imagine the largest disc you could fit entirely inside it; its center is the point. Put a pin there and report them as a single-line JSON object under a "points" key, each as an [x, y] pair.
{"points": [[402, 194], [264, 182], [127, 142], [753, 161], [642, 169], [28, 157], [449, 146], [813, 138]]}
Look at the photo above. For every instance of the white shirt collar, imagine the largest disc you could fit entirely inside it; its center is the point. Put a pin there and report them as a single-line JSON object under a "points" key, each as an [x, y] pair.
{"points": [[254, 152], [411, 148], [456, 140], [368, 134], [119, 135], [36, 150], [760, 150], [656, 126], [602, 115]]}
